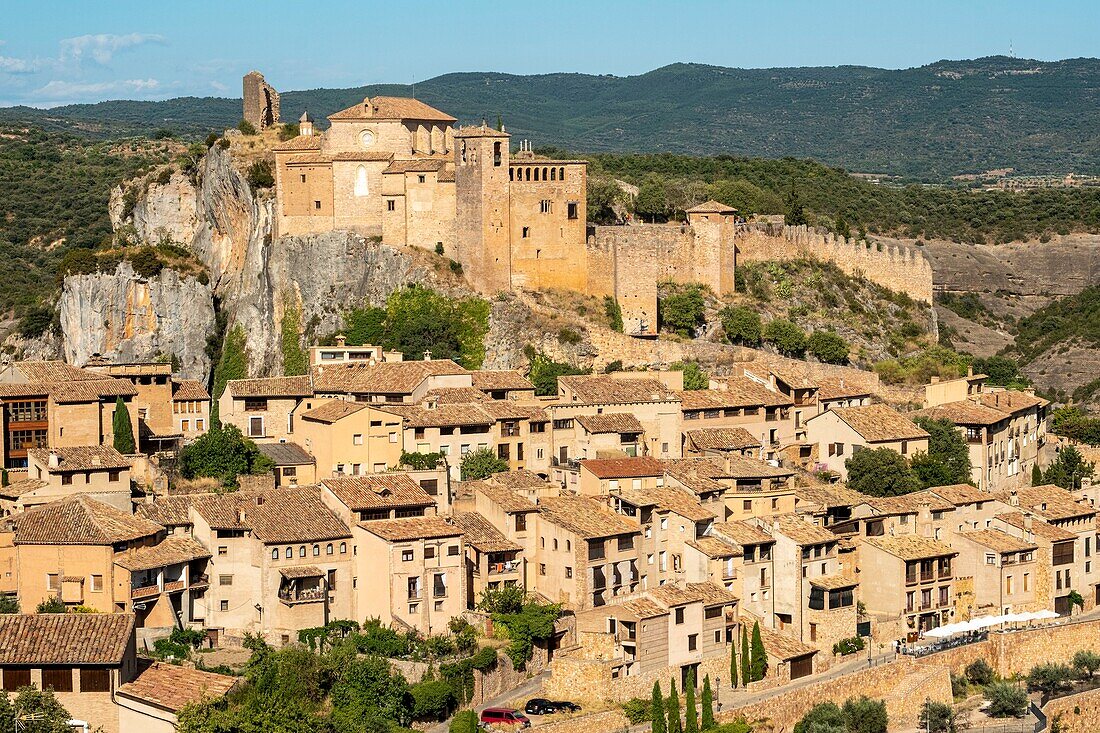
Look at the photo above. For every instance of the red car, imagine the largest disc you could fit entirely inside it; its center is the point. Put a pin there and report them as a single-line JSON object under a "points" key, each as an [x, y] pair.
{"points": [[505, 716]]}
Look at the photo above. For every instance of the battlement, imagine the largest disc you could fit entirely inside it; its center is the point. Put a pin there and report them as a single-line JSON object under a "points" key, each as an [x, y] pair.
{"points": [[898, 267]]}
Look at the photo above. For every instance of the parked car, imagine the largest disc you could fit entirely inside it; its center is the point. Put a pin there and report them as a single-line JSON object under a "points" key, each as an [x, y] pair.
{"points": [[539, 706], [506, 717], [571, 707]]}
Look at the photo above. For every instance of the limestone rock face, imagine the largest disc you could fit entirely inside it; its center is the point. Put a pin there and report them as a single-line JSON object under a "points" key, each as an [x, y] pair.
{"points": [[166, 211], [128, 318]]}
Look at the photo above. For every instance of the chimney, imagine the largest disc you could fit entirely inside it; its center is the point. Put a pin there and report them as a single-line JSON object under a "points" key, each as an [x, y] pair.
{"points": [[924, 518], [1027, 523], [427, 355], [96, 461], [341, 340], [970, 371], [241, 515], [1014, 498], [55, 460]]}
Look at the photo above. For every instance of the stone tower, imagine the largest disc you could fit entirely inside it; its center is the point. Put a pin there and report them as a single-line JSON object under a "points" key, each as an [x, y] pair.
{"points": [[713, 256], [305, 125], [481, 196], [261, 101]]}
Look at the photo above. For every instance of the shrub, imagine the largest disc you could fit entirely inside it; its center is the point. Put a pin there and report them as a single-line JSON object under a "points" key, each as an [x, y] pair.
{"points": [[1005, 700], [568, 336], [9, 604], [211, 139], [960, 688], [223, 144], [464, 721], [421, 461], [825, 717], [53, 604], [289, 131], [246, 127], [222, 453], [481, 464], [613, 366], [432, 700], [979, 672], [682, 311], [439, 248], [146, 263], [742, 325], [694, 376], [828, 347], [544, 373], [456, 267], [786, 337], [937, 717], [865, 715], [880, 472], [849, 646], [637, 710], [1049, 678], [614, 313], [261, 175], [36, 321]]}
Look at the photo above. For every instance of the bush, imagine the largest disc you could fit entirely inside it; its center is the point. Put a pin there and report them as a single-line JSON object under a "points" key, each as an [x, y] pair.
{"points": [[421, 461], [544, 373], [432, 700], [222, 453], [289, 131], [569, 336], [849, 646], [682, 311], [146, 263], [828, 347], [880, 472], [36, 321], [865, 715], [53, 604], [960, 688], [481, 464], [464, 721], [825, 717], [1086, 663], [786, 337], [979, 673], [223, 144], [1005, 700], [246, 127], [742, 325], [694, 376], [637, 710], [9, 604], [614, 313], [1049, 678], [937, 717], [261, 175]]}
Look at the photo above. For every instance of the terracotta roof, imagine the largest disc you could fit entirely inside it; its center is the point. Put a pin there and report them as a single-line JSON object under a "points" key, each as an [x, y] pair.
{"points": [[315, 158], [294, 515], [706, 474], [80, 520], [908, 503], [286, 454], [447, 175], [271, 387], [189, 389], [443, 415], [479, 131], [489, 380], [481, 535], [637, 467], [21, 486], [511, 410], [641, 607], [333, 410], [998, 541], [1011, 400], [909, 546], [169, 511], [1038, 527], [65, 383], [783, 646], [378, 491], [612, 422], [1049, 501], [877, 423], [388, 377], [670, 499], [56, 371], [679, 594], [509, 501], [455, 395], [605, 390], [715, 547], [964, 412], [711, 207], [412, 528], [418, 165], [373, 156], [99, 639], [794, 378], [171, 551], [172, 687], [391, 108], [743, 533], [80, 458], [301, 142], [302, 571], [742, 391], [736, 438], [519, 479], [960, 494], [833, 582], [830, 496], [835, 388], [586, 517], [800, 531]]}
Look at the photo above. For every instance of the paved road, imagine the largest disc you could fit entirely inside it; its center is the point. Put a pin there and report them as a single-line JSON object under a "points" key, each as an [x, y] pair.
{"points": [[529, 687]]}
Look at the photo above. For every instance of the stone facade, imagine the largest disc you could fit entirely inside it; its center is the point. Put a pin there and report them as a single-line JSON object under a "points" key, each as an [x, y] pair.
{"points": [[1077, 713], [1016, 652], [261, 101]]}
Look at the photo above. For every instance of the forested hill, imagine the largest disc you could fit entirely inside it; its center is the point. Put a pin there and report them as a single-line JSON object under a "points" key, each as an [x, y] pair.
{"points": [[928, 123]]}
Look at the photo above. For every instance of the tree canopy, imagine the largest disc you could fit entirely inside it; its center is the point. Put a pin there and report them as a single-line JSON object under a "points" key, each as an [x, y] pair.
{"points": [[481, 463], [123, 429], [880, 472], [223, 453], [947, 460]]}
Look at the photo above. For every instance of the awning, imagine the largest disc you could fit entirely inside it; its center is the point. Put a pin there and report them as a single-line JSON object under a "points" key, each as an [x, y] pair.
{"points": [[302, 571]]}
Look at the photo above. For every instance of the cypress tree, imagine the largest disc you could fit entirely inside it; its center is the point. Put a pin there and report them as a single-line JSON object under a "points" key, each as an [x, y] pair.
{"points": [[759, 656], [122, 429], [657, 711], [1036, 475], [733, 664], [691, 713], [673, 709], [745, 677], [707, 721]]}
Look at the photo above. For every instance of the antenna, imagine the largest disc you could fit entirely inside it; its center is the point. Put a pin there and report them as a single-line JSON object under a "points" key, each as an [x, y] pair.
{"points": [[1011, 52]]}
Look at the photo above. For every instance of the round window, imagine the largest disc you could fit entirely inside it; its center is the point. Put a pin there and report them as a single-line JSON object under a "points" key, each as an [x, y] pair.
{"points": [[366, 137]]}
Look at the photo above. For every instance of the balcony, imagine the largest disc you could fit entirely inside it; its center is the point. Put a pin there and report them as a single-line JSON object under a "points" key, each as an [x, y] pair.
{"points": [[174, 586], [200, 581], [293, 596], [499, 568], [144, 591]]}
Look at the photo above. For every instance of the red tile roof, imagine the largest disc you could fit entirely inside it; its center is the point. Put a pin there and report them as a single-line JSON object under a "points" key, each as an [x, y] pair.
{"points": [[638, 467], [80, 520], [99, 639], [172, 687], [378, 491]]}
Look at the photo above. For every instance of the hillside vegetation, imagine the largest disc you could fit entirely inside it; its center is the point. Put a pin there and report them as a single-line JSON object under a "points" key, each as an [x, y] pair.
{"points": [[925, 123]]}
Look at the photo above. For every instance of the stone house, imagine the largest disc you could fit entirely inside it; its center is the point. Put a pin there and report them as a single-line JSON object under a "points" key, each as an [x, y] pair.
{"points": [[503, 384], [745, 402], [262, 408], [413, 571], [380, 496], [492, 560], [740, 487], [842, 431], [828, 504], [190, 408], [714, 560], [99, 471], [294, 466], [1055, 554], [341, 353], [721, 441], [604, 476], [754, 580], [942, 391], [152, 700], [349, 438], [1003, 569], [908, 583]]}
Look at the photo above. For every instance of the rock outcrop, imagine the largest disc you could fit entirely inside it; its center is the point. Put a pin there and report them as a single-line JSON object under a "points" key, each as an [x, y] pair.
{"points": [[162, 211], [129, 318]]}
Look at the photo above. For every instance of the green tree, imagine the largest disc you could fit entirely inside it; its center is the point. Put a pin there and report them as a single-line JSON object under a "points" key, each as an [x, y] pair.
{"points": [[602, 198], [742, 325], [614, 313], [795, 214], [49, 715], [694, 376], [146, 263], [9, 604], [503, 600], [1005, 700], [482, 463], [657, 711], [948, 458], [828, 347], [746, 657], [432, 700], [1001, 371], [979, 673], [825, 717], [864, 715], [707, 720], [246, 127], [365, 326], [1036, 475], [223, 453], [691, 712], [937, 717], [786, 337], [651, 203], [1074, 598], [673, 704], [122, 429], [261, 174], [734, 666], [682, 310], [880, 472], [1068, 469], [464, 721], [53, 604], [544, 372], [1086, 662], [535, 623], [1049, 678], [759, 659], [366, 689]]}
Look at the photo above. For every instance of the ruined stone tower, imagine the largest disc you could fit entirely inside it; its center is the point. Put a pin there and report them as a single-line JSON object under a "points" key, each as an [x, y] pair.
{"points": [[261, 101], [482, 207]]}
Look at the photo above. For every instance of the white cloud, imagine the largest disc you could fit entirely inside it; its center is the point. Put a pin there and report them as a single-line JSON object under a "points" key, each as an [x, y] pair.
{"points": [[218, 86], [76, 91], [101, 47], [13, 65]]}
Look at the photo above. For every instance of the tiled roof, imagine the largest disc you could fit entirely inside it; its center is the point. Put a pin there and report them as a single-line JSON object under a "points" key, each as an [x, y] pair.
{"points": [[605, 390], [998, 541], [612, 422], [80, 458], [443, 415], [715, 547], [642, 607], [877, 423], [301, 142], [830, 496], [508, 500], [21, 486], [378, 491], [678, 594], [455, 395], [1039, 528], [271, 387], [418, 165], [519, 479], [1011, 400], [80, 520], [479, 131], [964, 412], [909, 546], [783, 646], [960, 494], [585, 517], [333, 410], [412, 528], [711, 206], [391, 108], [489, 380], [189, 389], [1049, 501], [743, 533], [56, 371], [510, 410], [638, 467], [286, 454], [168, 511], [835, 388], [742, 391], [670, 499], [170, 551], [833, 582], [312, 158], [44, 639], [801, 531], [172, 687], [302, 571], [909, 503], [482, 535], [388, 377], [736, 438], [294, 515]]}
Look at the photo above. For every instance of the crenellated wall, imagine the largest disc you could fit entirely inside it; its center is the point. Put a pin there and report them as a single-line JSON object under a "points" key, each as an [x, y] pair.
{"points": [[898, 267]]}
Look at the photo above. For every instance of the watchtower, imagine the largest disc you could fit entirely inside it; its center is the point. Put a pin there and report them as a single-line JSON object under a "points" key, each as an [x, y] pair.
{"points": [[482, 195]]}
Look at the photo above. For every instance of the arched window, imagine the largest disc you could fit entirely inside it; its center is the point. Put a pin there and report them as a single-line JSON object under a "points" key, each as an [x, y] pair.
{"points": [[316, 550], [302, 551], [511, 174], [528, 174], [536, 174], [561, 174], [328, 549], [544, 175], [275, 554], [361, 188], [343, 548], [553, 174], [289, 553]]}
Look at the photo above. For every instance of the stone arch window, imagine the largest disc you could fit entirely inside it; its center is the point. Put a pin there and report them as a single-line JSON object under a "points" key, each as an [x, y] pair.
{"points": [[544, 175], [528, 174], [328, 549], [561, 173], [302, 551], [496, 155], [553, 174], [343, 547], [361, 186], [275, 554], [316, 550], [511, 174], [289, 553]]}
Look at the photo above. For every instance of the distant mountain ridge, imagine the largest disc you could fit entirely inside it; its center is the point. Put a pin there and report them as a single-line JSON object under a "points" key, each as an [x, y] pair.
{"points": [[929, 122]]}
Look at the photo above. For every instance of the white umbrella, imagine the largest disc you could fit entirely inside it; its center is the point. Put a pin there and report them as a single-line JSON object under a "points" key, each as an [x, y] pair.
{"points": [[1045, 614], [939, 632]]}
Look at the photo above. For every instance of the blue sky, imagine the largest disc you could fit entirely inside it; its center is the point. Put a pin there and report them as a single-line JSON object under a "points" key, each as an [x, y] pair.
{"points": [[65, 51]]}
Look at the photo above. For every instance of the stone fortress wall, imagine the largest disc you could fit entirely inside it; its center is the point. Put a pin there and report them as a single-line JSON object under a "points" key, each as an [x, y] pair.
{"points": [[898, 267], [261, 101]]}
